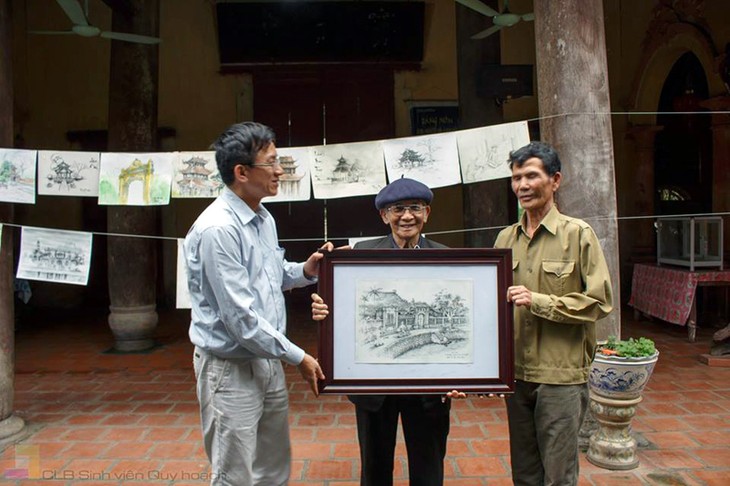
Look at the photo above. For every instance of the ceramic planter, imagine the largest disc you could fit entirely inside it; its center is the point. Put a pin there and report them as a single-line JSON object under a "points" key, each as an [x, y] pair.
{"points": [[615, 385], [620, 378]]}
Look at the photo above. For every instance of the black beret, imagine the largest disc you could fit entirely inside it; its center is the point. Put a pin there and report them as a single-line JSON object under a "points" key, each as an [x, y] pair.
{"points": [[401, 190]]}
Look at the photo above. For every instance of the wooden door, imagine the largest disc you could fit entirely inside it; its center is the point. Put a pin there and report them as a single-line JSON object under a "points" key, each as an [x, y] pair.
{"points": [[305, 106]]}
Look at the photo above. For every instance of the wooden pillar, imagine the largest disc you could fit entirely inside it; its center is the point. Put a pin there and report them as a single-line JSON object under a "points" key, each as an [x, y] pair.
{"points": [[572, 78], [644, 235], [721, 161], [9, 423], [133, 85], [485, 203]]}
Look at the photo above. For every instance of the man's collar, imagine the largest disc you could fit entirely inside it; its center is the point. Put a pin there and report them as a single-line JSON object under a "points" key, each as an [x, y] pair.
{"points": [[550, 221], [241, 209]]}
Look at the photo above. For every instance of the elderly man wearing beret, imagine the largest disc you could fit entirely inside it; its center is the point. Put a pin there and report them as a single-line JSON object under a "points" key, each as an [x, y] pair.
{"points": [[404, 206]]}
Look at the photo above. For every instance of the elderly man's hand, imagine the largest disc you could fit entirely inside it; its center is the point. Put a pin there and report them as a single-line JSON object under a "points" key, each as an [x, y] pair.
{"points": [[519, 295]]}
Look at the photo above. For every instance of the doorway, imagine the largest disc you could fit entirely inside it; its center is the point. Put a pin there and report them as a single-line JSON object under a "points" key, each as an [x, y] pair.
{"points": [[683, 150]]}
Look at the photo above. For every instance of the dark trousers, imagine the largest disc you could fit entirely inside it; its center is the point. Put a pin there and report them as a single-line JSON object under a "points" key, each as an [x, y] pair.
{"points": [[425, 428], [544, 421]]}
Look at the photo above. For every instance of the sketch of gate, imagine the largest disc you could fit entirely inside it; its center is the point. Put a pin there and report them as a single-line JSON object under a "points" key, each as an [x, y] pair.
{"points": [[137, 171]]}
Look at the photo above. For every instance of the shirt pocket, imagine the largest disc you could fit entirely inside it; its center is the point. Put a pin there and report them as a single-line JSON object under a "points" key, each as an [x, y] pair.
{"points": [[274, 266], [556, 273]]}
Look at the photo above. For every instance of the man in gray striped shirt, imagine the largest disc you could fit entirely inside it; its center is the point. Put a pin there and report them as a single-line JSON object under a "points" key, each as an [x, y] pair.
{"points": [[236, 277]]}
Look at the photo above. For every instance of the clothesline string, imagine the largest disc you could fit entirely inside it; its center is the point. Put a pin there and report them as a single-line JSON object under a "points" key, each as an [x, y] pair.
{"points": [[443, 232]]}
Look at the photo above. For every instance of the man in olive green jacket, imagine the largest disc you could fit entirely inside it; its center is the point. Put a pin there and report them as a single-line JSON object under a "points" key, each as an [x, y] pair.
{"points": [[562, 286]]}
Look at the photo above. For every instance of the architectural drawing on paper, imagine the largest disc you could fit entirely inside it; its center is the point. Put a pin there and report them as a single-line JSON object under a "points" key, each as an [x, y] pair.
{"points": [[431, 159], [197, 179], [346, 170], [135, 179], [484, 151], [17, 175], [55, 255], [435, 328], [64, 173]]}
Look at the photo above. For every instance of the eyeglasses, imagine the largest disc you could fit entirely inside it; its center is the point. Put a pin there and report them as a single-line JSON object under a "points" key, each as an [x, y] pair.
{"points": [[400, 210], [267, 164]]}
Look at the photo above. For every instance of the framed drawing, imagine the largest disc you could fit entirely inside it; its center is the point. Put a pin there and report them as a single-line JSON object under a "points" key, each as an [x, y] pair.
{"points": [[426, 321]]}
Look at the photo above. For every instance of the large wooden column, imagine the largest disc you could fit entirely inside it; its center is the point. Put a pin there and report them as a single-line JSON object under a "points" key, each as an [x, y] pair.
{"points": [[572, 77], [9, 423], [485, 203], [721, 161], [133, 85], [644, 237]]}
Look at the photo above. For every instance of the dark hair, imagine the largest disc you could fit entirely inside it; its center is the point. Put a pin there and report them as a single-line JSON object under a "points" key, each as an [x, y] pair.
{"points": [[540, 150], [240, 144]]}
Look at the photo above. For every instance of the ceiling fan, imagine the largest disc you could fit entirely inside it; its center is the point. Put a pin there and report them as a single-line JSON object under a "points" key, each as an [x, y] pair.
{"points": [[81, 26], [505, 18]]}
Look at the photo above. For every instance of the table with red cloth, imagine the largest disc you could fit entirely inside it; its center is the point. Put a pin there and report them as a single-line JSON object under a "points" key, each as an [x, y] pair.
{"points": [[669, 292]]}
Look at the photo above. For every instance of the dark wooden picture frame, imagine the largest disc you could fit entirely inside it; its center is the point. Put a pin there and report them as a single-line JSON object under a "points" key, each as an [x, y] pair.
{"points": [[422, 321]]}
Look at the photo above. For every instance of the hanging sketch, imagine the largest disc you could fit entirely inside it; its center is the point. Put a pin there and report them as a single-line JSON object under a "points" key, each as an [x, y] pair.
{"points": [[294, 184], [195, 174], [55, 255], [414, 321], [135, 179], [17, 175], [344, 170], [484, 151], [431, 159], [182, 296], [62, 173]]}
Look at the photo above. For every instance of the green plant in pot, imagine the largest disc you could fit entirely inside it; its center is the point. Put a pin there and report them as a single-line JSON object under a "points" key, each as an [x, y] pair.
{"points": [[621, 368], [633, 348], [619, 373]]}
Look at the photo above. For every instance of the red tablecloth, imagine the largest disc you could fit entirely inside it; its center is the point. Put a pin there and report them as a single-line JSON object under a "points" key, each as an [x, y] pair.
{"points": [[669, 292]]}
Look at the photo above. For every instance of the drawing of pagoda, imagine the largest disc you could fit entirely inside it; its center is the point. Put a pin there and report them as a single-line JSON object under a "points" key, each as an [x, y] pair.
{"points": [[289, 180], [63, 174], [196, 180], [345, 171]]}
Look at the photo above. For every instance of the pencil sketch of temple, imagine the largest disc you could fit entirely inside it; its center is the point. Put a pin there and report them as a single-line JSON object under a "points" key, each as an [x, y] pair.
{"points": [[393, 329], [289, 180], [67, 259], [410, 158], [63, 175], [345, 171]]}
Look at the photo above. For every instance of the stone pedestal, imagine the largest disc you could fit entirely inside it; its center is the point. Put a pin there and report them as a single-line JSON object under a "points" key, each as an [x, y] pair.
{"points": [[11, 426], [133, 327], [612, 446]]}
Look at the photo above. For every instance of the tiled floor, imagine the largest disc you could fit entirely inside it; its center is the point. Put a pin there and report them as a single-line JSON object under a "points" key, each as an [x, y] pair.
{"points": [[109, 419]]}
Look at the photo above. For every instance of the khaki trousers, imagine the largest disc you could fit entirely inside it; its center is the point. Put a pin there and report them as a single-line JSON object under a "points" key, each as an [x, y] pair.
{"points": [[544, 421], [244, 416]]}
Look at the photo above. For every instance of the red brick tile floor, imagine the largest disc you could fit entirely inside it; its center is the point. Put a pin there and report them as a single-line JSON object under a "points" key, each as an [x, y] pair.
{"points": [[97, 418]]}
